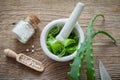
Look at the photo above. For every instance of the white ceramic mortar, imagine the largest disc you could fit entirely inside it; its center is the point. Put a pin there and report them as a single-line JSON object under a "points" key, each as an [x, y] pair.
{"points": [[78, 30]]}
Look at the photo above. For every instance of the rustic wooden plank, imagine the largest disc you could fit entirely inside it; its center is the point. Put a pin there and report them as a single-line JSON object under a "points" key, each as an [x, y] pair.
{"points": [[11, 11]]}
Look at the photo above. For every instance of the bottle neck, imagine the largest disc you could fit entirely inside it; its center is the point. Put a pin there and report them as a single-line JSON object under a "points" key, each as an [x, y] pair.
{"points": [[32, 23], [33, 20]]}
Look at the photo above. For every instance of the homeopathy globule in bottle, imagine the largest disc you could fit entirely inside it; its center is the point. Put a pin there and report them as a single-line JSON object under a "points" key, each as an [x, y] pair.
{"points": [[26, 28]]}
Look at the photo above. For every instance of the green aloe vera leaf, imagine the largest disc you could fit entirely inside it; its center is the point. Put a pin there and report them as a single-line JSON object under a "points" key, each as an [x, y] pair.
{"points": [[76, 38], [90, 24], [75, 70], [105, 33], [71, 49], [53, 32], [68, 42], [56, 46], [87, 51], [62, 53], [59, 48], [49, 48], [90, 69]]}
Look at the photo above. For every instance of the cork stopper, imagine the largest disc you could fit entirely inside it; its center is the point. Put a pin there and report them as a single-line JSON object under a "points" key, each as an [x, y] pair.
{"points": [[33, 20], [10, 53]]}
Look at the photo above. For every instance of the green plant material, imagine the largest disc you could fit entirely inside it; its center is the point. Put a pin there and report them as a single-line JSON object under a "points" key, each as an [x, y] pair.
{"points": [[77, 63], [71, 49], [68, 42], [86, 50], [56, 46], [64, 48], [53, 32]]}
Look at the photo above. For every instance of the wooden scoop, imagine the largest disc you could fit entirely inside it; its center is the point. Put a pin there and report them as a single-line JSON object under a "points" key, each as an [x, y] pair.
{"points": [[26, 60]]}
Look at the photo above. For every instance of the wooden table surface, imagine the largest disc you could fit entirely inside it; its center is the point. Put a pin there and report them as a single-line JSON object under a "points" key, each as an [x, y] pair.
{"points": [[12, 11]]}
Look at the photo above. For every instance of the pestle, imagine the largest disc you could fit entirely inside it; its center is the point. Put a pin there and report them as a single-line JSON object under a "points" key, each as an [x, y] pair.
{"points": [[69, 25]]}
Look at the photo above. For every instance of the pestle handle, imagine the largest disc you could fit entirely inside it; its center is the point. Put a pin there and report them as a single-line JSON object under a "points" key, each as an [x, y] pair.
{"points": [[69, 25], [10, 53]]}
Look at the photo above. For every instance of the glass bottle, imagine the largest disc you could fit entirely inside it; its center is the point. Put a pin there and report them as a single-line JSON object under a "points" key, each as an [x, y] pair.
{"points": [[26, 28]]}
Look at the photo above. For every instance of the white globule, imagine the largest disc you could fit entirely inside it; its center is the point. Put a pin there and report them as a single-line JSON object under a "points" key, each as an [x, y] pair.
{"points": [[33, 46], [27, 50], [32, 50]]}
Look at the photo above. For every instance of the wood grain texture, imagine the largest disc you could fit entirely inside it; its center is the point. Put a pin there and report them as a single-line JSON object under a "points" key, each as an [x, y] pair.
{"points": [[11, 11]]}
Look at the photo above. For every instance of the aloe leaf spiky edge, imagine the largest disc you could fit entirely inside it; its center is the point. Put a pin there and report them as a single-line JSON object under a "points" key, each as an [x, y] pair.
{"points": [[90, 24], [74, 73], [90, 69], [90, 35], [75, 66], [105, 33]]}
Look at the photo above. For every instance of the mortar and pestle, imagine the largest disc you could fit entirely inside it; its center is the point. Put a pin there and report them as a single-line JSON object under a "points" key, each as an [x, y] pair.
{"points": [[68, 25]]}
